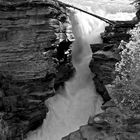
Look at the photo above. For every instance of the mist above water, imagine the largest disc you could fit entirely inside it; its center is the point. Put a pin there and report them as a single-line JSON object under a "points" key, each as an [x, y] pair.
{"points": [[72, 106]]}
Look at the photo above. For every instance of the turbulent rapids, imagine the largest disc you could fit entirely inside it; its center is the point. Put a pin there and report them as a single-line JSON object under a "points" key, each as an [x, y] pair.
{"points": [[72, 106]]}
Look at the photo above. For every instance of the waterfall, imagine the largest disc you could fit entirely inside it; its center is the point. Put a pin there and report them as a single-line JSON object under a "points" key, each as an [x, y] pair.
{"points": [[72, 106]]}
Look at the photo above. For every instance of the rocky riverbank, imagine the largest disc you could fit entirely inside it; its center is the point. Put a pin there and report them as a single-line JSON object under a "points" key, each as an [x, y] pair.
{"points": [[113, 123], [107, 54], [33, 36]]}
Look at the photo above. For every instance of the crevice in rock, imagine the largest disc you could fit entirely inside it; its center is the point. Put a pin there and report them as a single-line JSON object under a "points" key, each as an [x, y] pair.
{"points": [[107, 54]]}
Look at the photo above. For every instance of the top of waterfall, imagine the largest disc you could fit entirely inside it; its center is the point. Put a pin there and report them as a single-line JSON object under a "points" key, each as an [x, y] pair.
{"points": [[99, 17], [109, 5]]}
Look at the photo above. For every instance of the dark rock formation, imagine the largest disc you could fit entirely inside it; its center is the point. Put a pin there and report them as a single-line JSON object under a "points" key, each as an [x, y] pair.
{"points": [[31, 32], [107, 54], [111, 124]]}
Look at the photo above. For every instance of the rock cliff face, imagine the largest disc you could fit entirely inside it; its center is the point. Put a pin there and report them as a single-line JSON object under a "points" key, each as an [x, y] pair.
{"points": [[112, 124], [106, 55], [35, 59]]}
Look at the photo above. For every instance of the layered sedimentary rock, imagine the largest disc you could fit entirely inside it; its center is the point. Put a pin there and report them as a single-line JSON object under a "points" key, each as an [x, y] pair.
{"points": [[33, 35], [107, 54], [112, 123]]}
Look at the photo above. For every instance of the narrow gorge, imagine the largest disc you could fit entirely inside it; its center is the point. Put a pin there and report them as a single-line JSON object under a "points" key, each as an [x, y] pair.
{"points": [[57, 68]]}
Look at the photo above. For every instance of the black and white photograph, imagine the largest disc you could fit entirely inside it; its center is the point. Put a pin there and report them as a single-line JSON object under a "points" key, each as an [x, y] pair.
{"points": [[69, 69]]}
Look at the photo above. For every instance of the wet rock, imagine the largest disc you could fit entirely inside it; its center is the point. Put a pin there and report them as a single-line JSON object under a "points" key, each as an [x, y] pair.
{"points": [[107, 54], [112, 124], [110, 103], [111, 37], [103, 47], [125, 25], [100, 88], [118, 32], [31, 67], [73, 136], [65, 72], [138, 14]]}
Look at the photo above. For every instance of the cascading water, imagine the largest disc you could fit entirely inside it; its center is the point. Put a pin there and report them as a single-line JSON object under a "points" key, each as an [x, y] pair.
{"points": [[72, 106]]}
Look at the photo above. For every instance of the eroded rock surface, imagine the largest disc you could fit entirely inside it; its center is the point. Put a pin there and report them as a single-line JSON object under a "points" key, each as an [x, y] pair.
{"points": [[31, 32], [107, 54], [112, 123]]}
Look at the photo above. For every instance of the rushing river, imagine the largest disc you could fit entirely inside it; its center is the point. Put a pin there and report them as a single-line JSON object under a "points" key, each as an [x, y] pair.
{"points": [[73, 105]]}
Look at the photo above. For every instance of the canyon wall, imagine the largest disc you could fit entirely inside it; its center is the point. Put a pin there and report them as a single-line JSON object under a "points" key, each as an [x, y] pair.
{"points": [[113, 123], [35, 59]]}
